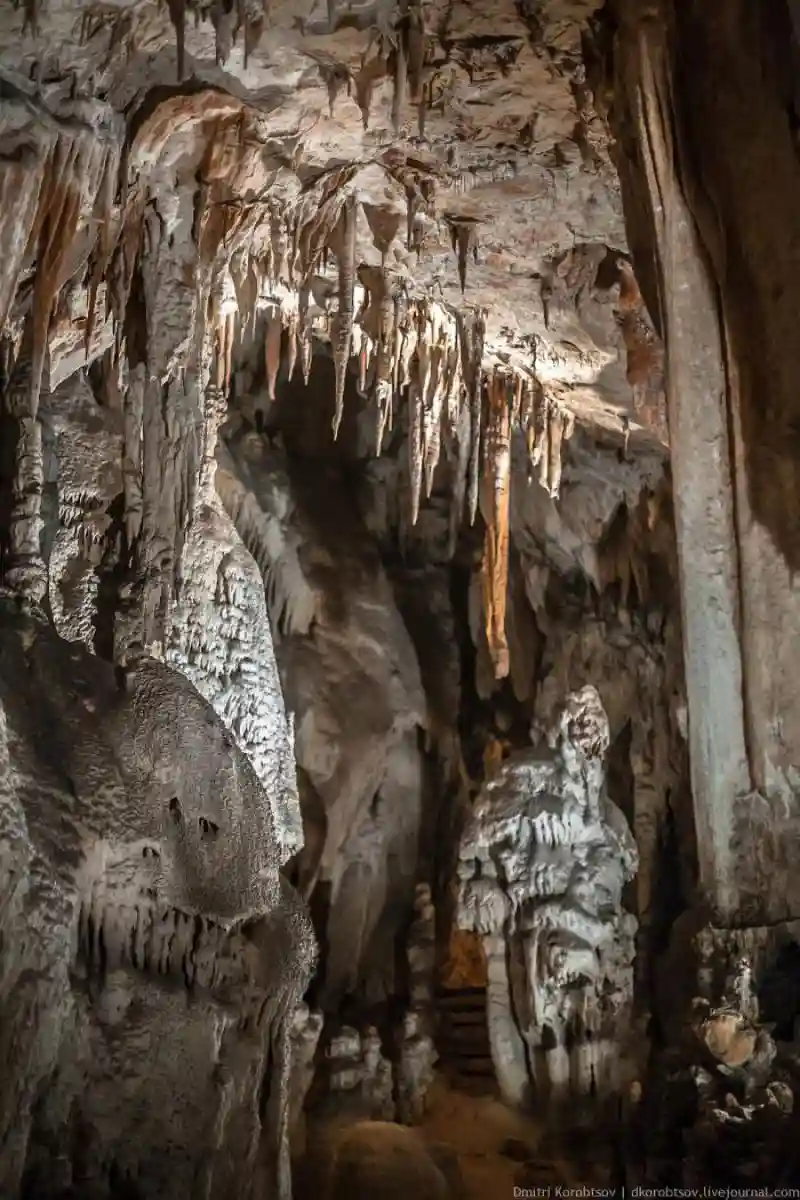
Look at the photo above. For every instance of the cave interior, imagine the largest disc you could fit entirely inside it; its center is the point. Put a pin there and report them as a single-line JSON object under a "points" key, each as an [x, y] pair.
{"points": [[399, 467]]}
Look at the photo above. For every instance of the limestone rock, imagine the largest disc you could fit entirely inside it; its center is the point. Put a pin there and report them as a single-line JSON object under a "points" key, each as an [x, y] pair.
{"points": [[146, 933], [543, 864], [377, 1158]]}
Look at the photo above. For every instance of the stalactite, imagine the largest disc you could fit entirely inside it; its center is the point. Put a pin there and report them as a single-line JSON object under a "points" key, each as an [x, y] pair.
{"points": [[104, 207], [54, 230], [292, 326], [397, 341], [254, 21], [561, 425], [516, 408], [230, 335], [433, 408], [463, 239], [177, 14], [400, 93], [471, 333], [496, 493], [423, 349], [272, 350], [415, 452], [336, 77], [342, 331], [453, 381], [279, 241], [363, 363], [267, 271], [364, 83], [319, 227], [383, 365], [25, 573], [21, 181], [384, 225], [425, 102], [408, 345], [417, 47], [541, 453], [30, 24], [644, 352], [304, 334]]}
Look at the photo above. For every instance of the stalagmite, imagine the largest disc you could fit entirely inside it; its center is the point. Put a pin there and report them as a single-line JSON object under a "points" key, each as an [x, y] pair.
{"points": [[559, 941]]}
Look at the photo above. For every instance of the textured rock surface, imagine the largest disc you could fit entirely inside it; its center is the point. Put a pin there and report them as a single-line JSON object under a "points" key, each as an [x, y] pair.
{"points": [[352, 680], [543, 864], [146, 935], [378, 1158], [326, 378]]}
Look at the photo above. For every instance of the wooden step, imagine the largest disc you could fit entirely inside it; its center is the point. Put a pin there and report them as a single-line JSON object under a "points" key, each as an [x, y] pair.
{"points": [[463, 1018], [456, 1040], [453, 997]]}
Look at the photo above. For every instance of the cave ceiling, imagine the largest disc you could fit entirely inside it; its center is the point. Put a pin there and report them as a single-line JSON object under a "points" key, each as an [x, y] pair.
{"points": [[463, 134]]}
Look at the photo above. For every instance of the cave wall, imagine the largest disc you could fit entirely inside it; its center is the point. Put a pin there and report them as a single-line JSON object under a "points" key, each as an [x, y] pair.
{"points": [[147, 935], [360, 431]]}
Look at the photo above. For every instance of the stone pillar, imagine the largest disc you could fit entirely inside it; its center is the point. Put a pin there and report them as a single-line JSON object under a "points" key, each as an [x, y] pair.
{"points": [[710, 174]]}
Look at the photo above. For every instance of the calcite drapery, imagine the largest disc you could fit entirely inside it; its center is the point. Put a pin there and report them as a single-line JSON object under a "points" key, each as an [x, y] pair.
{"points": [[543, 863], [145, 935]]}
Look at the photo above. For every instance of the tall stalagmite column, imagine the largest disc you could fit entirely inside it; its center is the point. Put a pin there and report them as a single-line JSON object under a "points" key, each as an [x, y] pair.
{"points": [[705, 113]]}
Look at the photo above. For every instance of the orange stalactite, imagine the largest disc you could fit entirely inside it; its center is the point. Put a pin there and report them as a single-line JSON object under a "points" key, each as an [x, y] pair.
{"points": [[496, 489]]}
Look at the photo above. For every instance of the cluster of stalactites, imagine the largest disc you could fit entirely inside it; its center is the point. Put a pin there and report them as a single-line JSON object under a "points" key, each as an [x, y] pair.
{"points": [[51, 188], [420, 349], [45, 199], [398, 50], [267, 257]]}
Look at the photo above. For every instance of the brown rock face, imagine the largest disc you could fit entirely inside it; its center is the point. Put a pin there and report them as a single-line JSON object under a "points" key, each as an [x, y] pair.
{"points": [[378, 1158]]}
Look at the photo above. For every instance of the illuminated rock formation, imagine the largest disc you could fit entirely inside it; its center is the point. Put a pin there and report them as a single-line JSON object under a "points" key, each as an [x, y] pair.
{"points": [[543, 864], [147, 935]]}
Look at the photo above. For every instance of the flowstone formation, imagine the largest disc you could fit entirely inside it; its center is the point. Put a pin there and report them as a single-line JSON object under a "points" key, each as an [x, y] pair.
{"points": [[151, 955], [543, 863]]}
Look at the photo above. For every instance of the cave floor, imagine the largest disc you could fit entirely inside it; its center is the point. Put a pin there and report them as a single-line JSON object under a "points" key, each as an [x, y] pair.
{"points": [[499, 1149]]}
